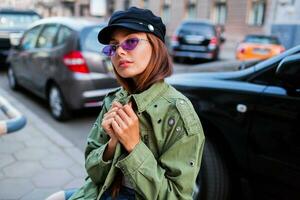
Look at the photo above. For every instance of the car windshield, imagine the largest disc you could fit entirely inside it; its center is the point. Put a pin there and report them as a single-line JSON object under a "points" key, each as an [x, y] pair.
{"points": [[262, 40], [16, 20], [197, 29], [89, 39]]}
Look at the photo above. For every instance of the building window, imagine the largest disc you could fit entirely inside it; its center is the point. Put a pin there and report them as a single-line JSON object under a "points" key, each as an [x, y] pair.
{"points": [[126, 4], [145, 4], [166, 11], [220, 12], [257, 12], [191, 9]]}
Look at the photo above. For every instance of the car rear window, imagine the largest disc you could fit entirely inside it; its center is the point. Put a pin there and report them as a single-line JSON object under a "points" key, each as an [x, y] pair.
{"points": [[88, 39], [262, 40], [197, 29], [16, 20]]}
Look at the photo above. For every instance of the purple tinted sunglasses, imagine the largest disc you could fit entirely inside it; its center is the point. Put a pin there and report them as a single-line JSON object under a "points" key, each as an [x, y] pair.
{"points": [[127, 45]]}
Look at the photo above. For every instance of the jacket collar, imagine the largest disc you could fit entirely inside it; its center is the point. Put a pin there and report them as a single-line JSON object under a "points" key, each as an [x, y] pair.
{"points": [[144, 98]]}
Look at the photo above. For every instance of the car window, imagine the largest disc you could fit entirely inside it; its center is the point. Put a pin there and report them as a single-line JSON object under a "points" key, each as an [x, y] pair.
{"points": [[197, 29], [47, 36], [261, 40], [266, 77], [16, 20], [63, 34], [30, 37], [88, 39]]}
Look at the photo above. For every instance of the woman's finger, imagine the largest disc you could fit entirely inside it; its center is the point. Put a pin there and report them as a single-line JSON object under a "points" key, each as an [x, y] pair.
{"points": [[110, 115], [120, 122], [117, 104], [110, 111], [129, 111], [116, 128], [123, 116]]}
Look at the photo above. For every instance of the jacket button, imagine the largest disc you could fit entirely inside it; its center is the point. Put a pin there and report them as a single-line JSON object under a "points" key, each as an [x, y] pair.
{"points": [[171, 122], [192, 163]]}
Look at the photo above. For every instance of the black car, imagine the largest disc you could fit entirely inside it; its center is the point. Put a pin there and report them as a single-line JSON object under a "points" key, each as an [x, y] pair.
{"points": [[250, 119], [59, 60], [12, 25], [196, 39]]}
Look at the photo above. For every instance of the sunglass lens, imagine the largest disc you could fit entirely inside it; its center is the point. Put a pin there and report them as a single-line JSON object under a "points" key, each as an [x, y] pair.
{"points": [[108, 50], [130, 44]]}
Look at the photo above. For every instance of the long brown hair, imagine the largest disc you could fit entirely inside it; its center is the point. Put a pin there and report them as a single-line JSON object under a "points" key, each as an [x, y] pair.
{"points": [[159, 67]]}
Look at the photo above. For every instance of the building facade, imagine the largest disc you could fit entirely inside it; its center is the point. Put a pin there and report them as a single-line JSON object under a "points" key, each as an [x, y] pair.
{"points": [[235, 17]]}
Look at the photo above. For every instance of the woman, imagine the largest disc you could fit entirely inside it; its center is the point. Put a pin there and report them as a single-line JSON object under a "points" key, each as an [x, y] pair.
{"points": [[147, 142]]}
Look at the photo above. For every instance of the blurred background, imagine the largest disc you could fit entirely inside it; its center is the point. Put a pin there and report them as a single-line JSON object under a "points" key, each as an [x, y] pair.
{"points": [[235, 18]]}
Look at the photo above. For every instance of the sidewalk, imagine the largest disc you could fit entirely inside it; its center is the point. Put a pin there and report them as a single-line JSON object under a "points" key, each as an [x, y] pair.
{"points": [[37, 161]]}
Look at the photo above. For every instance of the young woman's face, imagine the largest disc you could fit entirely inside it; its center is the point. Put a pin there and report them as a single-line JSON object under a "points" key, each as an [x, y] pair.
{"points": [[130, 63]]}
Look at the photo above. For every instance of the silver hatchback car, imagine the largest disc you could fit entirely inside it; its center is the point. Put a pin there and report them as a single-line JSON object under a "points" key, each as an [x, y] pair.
{"points": [[59, 60]]}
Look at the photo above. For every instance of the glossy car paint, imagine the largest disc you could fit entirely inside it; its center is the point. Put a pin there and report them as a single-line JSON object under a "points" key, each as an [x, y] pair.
{"points": [[253, 118], [37, 69]]}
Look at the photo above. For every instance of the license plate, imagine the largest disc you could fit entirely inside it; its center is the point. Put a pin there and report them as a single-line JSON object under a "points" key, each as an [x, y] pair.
{"points": [[261, 51], [194, 39]]}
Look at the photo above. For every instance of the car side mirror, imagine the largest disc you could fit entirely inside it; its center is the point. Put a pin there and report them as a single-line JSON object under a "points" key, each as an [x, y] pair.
{"points": [[288, 71]]}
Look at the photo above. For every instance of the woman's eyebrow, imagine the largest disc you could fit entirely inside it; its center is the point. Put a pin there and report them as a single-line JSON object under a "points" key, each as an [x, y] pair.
{"points": [[113, 41]]}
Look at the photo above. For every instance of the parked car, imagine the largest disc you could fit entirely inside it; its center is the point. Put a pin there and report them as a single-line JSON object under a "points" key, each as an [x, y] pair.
{"points": [[196, 39], [59, 60], [12, 24], [251, 121], [258, 47]]}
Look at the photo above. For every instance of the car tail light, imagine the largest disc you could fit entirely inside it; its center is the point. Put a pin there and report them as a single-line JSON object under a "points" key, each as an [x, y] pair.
{"points": [[76, 62], [175, 38], [242, 50], [213, 43]]}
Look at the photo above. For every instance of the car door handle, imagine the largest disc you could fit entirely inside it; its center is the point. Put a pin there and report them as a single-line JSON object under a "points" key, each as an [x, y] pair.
{"points": [[242, 108]]}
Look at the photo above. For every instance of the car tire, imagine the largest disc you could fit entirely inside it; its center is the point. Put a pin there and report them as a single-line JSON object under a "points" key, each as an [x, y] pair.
{"points": [[213, 181], [58, 107], [12, 80]]}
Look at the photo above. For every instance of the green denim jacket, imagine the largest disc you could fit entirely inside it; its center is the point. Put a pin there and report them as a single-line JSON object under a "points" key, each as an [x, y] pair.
{"points": [[165, 164]]}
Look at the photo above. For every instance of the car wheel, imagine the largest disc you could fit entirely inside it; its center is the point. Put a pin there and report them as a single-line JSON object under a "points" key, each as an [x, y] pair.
{"points": [[213, 180], [12, 81], [57, 104]]}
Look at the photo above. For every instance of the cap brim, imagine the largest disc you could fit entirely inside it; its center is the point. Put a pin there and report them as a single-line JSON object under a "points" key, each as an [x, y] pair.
{"points": [[104, 36]]}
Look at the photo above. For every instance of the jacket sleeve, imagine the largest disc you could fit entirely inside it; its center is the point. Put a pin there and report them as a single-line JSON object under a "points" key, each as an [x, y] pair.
{"points": [[173, 174], [96, 168]]}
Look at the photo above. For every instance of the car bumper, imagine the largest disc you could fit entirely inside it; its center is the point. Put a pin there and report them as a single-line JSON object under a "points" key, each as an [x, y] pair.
{"points": [[82, 91]]}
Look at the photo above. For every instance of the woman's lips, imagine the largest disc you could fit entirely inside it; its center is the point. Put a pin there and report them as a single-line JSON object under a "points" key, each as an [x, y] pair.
{"points": [[124, 63]]}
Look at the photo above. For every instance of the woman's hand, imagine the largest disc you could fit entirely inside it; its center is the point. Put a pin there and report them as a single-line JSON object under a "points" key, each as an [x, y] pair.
{"points": [[106, 125], [107, 121], [126, 127]]}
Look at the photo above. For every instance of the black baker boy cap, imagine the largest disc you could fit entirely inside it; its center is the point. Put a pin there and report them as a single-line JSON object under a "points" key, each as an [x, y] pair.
{"points": [[136, 19]]}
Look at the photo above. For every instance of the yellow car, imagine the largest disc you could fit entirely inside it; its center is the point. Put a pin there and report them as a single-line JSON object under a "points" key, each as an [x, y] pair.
{"points": [[258, 47]]}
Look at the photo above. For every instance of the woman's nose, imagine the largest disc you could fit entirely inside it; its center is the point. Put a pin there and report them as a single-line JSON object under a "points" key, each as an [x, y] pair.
{"points": [[120, 51]]}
